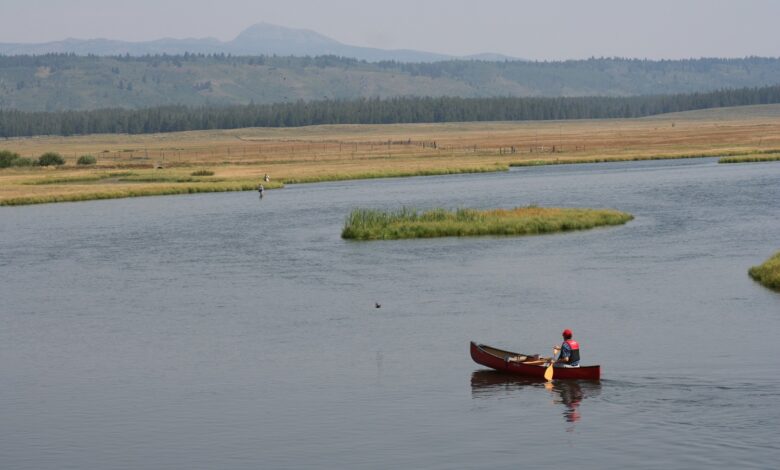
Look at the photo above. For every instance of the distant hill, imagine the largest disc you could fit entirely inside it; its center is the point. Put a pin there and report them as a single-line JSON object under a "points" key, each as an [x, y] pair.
{"points": [[260, 39], [69, 82]]}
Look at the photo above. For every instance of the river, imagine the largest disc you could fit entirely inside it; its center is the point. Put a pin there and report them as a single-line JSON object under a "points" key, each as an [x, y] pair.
{"points": [[225, 331]]}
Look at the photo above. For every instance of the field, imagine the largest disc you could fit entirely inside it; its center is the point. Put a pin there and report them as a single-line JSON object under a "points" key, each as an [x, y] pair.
{"points": [[138, 165]]}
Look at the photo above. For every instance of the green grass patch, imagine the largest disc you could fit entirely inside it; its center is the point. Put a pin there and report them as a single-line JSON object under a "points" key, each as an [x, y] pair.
{"points": [[202, 173], [370, 224], [150, 178], [751, 158], [79, 179], [768, 273], [65, 180], [125, 191], [742, 154], [395, 174]]}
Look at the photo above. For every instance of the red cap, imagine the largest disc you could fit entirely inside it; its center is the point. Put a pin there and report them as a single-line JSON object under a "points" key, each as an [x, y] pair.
{"points": [[567, 333]]}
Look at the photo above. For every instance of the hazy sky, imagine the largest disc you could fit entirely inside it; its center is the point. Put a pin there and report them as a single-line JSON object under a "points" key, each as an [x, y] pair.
{"points": [[540, 29]]}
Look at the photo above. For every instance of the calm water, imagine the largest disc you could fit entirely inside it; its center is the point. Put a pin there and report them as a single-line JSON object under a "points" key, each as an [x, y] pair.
{"points": [[221, 331]]}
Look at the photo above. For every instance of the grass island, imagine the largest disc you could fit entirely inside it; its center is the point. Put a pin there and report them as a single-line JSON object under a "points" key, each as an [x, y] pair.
{"points": [[768, 273], [371, 224]]}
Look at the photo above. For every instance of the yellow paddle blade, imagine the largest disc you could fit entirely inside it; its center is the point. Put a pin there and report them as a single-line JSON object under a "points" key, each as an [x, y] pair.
{"points": [[548, 373]]}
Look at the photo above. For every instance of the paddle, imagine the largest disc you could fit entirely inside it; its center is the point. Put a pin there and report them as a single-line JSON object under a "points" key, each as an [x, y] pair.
{"points": [[548, 373]]}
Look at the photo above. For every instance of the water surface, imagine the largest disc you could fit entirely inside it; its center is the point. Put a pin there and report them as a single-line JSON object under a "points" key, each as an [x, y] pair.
{"points": [[222, 331]]}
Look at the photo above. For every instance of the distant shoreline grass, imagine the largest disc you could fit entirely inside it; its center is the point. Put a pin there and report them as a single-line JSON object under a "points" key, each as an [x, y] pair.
{"points": [[128, 184], [370, 224], [768, 273], [394, 174], [113, 184], [739, 156], [772, 157], [136, 190], [175, 163]]}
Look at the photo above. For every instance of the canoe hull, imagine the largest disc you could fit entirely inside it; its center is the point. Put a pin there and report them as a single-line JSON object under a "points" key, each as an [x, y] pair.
{"points": [[496, 359]]}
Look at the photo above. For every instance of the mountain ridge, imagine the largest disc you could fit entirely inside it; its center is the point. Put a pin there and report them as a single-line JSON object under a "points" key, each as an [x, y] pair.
{"points": [[258, 39]]}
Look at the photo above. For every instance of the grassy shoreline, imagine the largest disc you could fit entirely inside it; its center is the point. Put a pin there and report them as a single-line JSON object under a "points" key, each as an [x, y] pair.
{"points": [[237, 160], [127, 191], [117, 184], [768, 273], [725, 157], [89, 187], [769, 157], [370, 224], [100, 183]]}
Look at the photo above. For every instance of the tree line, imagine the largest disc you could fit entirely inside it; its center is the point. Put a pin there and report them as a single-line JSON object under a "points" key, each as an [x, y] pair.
{"points": [[452, 67], [14, 123]]}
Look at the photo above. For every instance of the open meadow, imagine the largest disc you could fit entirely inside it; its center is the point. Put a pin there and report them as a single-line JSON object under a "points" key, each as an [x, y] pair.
{"points": [[153, 164]]}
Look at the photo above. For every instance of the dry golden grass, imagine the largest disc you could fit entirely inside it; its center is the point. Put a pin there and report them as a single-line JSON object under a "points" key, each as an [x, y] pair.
{"points": [[239, 158]]}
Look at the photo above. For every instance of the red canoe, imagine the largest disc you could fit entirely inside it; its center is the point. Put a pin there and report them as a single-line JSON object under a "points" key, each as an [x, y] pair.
{"points": [[528, 365]]}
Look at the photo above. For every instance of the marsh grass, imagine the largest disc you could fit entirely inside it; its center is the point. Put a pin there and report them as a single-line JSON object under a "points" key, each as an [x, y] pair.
{"points": [[137, 190], [76, 179], [171, 178], [768, 273], [751, 158], [394, 173], [371, 224], [202, 173], [725, 157]]}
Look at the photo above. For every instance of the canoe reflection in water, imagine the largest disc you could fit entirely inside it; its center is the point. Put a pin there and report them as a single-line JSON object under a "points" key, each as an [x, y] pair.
{"points": [[569, 393]]}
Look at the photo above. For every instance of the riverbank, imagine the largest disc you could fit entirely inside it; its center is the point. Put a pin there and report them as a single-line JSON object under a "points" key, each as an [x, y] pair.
{"points": [[767, 157], [65, 186], [165, 163], [768, 273], [369, 224]]}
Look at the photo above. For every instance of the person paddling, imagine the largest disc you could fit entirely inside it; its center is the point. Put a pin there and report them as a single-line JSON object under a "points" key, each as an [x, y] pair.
{"points": [[569, 351]]}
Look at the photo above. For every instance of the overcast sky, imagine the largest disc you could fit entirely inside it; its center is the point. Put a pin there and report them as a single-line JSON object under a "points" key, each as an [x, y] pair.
{"points": [[541, 29]]}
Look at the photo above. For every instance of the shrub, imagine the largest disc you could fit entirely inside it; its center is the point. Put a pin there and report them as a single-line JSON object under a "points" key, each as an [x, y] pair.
{"points": [[202, 173], [86, 160], [51, 158], [7, 158], [22, 161]]}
